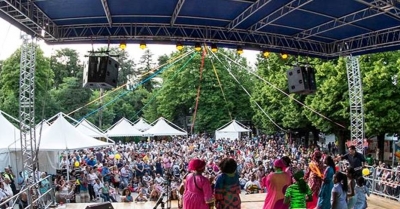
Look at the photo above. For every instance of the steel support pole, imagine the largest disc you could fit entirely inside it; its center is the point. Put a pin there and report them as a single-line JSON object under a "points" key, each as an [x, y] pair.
{"points": [[27, 104], [356, 102]]}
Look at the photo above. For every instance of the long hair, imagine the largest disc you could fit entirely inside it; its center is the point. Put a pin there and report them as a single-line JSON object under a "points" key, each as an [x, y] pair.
{"points": [[299, 177], [342, 179], [329, 162]]}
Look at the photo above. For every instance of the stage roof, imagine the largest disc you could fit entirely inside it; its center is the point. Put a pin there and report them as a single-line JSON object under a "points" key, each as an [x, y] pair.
{"points": [[322, 28]]}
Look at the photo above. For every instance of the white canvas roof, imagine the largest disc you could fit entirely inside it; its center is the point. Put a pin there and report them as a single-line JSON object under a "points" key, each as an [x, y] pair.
{"points": [[162, 128], [123, 128], [232, 128], [89, 129], [61, 135], [41, 126], [142, 125], [8, 132]]}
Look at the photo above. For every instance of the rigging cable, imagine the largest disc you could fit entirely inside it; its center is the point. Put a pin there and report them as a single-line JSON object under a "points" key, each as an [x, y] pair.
{"points": [[220, 86], [198, 88], [123, 85], [245, 90], [134, 87], [155, 95], [283, 92]]}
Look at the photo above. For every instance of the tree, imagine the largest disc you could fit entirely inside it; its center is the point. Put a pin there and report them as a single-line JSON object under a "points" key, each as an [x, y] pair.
{"points": [[177, 95], [71, 96], [145, 65], [381, 94], [9, 83], [66, 63], [331, 100]]}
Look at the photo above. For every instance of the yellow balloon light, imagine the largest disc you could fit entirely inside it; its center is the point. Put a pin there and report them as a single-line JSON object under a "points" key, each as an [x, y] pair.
{"points": [[365, 172], [76, 164], [117, 156]]}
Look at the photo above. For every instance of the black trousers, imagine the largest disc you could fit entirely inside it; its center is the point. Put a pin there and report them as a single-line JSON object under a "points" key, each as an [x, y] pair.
{"points": [[92, 195]]}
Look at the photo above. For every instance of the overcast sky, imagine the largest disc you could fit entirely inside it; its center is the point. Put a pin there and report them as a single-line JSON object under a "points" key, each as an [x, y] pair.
{"points": [[10, 41]]}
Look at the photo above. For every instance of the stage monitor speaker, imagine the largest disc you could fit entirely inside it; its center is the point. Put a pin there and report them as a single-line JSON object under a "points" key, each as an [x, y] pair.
{"points": [[101, 72], [105, 205], [297, 80]]}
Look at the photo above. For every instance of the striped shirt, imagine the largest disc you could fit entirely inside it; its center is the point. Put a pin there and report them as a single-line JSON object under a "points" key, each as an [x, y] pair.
{"points": [[297, 199]]}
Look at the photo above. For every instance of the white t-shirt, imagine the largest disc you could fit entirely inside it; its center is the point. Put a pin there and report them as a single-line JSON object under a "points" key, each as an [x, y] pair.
{"points": [[342, 195]]}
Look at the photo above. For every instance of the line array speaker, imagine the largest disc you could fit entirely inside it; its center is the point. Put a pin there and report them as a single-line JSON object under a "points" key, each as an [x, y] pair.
{"points": [[101, 72], [301, 80]]}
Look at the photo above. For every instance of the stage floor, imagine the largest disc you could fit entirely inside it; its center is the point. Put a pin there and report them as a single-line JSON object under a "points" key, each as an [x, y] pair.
{"points": [[254, 201]]}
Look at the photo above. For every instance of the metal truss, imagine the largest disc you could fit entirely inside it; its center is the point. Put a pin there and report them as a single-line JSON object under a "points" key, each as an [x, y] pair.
{"points": [[27, 105], [378, 39], [164, 32], [177, 9], [247, 13], [356, 102], [372, 11], [279, 13], [386, 6], [30, 16], [107, 11], [339, 22]]}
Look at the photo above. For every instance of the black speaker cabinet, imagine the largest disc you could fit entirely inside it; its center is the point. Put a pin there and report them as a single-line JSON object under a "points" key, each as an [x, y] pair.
{"points": [[297, 80], [101, 72], [105, 205]]}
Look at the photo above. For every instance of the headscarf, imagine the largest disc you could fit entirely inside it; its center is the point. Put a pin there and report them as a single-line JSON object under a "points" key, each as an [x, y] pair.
{"points": [[197, 165], [279, 164], [317, 156]]}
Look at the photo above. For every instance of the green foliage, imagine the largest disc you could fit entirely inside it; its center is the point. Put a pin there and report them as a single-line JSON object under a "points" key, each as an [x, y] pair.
{"points": [[176, 99], [381, 92], [9, 84], [173, 93]]}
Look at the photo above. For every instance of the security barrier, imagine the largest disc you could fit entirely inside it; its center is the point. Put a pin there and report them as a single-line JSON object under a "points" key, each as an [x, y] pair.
{"points": [[32, 196]]}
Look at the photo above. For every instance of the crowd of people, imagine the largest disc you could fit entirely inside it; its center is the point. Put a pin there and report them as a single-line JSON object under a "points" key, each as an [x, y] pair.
{"points": [[213, 172]]}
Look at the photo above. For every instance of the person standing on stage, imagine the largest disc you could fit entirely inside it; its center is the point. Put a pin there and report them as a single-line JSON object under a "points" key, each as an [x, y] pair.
{"points": [[277, 183], [227, 186], [314, 176], [198, 193], [356, 160]]}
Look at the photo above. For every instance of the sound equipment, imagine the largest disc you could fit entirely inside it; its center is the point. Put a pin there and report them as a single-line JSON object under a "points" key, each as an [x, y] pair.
{"points": [[101, 72], [61, 172], [105, 205], [301, 80]]}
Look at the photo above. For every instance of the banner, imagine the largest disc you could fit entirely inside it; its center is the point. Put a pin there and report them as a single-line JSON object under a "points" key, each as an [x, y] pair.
{"points": [[397, 150]]}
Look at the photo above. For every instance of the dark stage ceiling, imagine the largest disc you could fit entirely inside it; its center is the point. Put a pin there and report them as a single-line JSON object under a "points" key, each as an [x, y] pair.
{"points": [[322, 28]]}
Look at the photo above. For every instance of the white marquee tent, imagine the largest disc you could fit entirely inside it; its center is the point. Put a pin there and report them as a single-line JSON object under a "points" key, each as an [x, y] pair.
{"points": [[89, 129], [162, 128], [231, 131], [8, 132], [123, 128], [61, 135], [142, 125]]}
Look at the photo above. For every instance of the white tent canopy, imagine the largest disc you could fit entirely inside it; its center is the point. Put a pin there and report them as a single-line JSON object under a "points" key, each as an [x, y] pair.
{"points": [[231, 131], [41, 127], [123, 128], [61, 135], [89, 129], [8, 132], [142, 125], [162, 128]]}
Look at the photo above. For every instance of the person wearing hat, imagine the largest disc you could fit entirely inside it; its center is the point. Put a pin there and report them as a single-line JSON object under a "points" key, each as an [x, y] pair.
{"points": [[276, 184], [198, 192], [314, 176]]}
